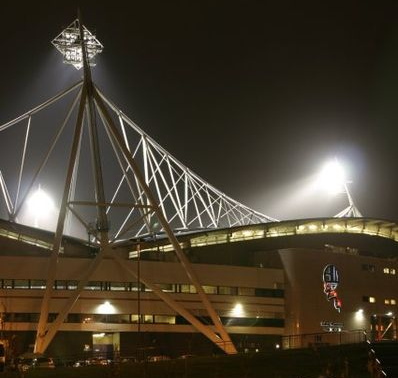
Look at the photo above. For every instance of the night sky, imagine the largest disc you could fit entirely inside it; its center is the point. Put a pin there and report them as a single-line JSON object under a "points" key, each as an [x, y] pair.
{"points": [[254, 96]]}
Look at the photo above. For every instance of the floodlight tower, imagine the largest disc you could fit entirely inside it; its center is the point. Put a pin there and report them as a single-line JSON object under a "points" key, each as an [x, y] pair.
{"points": [[334, 179], [79, 47], [351, 210]]}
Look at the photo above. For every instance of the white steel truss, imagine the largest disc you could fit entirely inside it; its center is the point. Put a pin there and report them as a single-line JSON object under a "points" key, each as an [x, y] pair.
{"points": [[117, 183], [158, 194], [351, 211], [187, 201]]}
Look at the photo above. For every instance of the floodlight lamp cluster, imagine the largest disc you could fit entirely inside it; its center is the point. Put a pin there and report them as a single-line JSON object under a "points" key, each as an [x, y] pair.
{"points": [[68, 43]]}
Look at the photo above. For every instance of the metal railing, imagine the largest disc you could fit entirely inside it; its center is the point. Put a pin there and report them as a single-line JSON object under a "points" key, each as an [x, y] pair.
{"points": [[312, 340]]}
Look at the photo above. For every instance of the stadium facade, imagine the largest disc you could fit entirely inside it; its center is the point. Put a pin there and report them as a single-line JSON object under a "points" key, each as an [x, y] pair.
{"points": [[266, 283]]}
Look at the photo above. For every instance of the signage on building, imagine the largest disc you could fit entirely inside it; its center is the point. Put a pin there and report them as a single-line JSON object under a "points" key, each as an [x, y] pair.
{"points": [[330, 282], [332, 326]]}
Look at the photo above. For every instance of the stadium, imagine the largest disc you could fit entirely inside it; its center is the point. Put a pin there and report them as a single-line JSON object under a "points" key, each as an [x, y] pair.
{"points": [[264, 281], [151, 260]]}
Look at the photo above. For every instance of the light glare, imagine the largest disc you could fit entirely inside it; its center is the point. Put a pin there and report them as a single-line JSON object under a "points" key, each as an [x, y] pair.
{"points": [[106, 308], [359, 316], [333, 178], [40, 204], [237, 310]]}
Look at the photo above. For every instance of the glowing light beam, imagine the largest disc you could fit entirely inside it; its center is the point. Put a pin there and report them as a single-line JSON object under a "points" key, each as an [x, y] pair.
{"points": [[333, 178]]}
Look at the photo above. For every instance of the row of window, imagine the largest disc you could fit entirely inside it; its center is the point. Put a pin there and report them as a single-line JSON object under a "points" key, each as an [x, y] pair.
{"points": [[372, 268], [144, 319], [135, 286], [387, 301]]}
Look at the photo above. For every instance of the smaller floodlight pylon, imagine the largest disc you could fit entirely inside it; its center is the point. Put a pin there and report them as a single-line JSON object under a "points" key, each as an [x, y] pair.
{"points": [[339, 176], [351, 210], [68, 43]]}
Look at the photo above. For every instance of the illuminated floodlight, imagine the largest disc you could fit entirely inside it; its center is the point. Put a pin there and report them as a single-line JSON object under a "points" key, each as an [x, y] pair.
{"points": [[333, 178], [106, 308], [359, 316], [68, 43], [40, 204], [238, 310]]}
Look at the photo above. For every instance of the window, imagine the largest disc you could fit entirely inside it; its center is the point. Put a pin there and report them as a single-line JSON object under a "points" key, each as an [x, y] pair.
{"points": [[227, 290], [60, 285], [72, 285], [86, 319], [134, 286], [93, 285], [77, 318], [369, 299], [165, 319], [8, 284], [253, 322], [386, 271], [117, 318], [272, 293], [25, 317], [187, 288], [242, 322], [38, 284], [368, 267], [393, 301], [119, 286], [210, 289], [21, 284], [168, 288], [386, 301], [246, 291], [134, 318], [148, 318]]}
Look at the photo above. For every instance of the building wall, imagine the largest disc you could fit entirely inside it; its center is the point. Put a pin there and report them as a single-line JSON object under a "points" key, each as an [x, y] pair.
{"points": [[260, 311], [294, 274], [361, 278]]}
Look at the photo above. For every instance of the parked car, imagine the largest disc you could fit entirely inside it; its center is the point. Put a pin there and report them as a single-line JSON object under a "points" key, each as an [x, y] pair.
{"points": [[98, 361], [43, 362], [26, 362], [186, 356], [80, 363], [158, 358]]}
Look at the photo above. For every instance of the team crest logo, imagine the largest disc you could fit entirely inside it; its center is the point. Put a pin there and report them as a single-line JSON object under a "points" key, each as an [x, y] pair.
{"points": [[330, 283]]}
